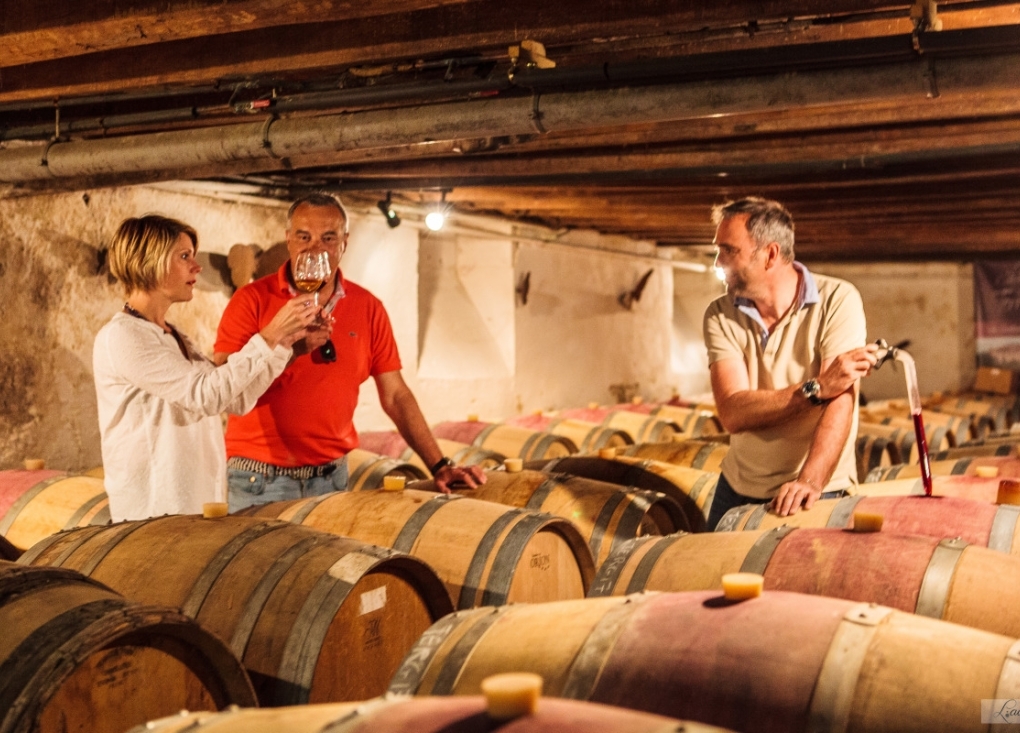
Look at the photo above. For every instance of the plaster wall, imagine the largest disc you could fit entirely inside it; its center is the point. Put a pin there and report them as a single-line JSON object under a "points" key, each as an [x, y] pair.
{"points": [[56, 295], [929, 304]]}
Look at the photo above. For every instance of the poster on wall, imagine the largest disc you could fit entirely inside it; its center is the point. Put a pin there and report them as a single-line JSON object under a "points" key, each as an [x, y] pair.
{"points": [[997, 312]]}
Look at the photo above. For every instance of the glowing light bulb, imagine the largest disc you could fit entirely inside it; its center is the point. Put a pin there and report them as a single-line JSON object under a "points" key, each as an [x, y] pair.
{"points": [[435, 220]]}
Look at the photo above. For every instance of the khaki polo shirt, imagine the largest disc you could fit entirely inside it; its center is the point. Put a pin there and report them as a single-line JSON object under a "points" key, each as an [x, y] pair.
{"points": [[827, 320]]}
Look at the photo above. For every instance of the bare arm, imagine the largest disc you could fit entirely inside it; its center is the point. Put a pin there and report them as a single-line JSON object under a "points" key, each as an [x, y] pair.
{"points": [[399, 404], [826, 446], [742, 408]]}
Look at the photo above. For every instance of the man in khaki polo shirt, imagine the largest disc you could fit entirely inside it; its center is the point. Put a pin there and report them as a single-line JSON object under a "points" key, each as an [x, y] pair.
{"points": [[786, 349]]}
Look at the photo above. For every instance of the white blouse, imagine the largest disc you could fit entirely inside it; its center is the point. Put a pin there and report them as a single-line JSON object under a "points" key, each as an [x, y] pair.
{"points": [[159, 415]]}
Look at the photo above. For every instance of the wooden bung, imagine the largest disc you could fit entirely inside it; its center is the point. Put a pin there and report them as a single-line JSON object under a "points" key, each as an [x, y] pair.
{"points": [[394, 483], [213, 509], [514, 465], [867, 522], [34, 464]]}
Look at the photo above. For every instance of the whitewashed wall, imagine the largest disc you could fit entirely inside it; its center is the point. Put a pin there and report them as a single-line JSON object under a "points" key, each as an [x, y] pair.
{"points": [[929, 304]]}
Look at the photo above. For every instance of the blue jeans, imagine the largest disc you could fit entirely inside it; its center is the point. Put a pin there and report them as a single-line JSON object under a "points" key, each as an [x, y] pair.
{"points": [[727, 498], [250, 488]]}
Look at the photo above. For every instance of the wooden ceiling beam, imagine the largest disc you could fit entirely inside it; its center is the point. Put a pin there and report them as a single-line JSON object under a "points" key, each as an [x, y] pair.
{"points": [[42, 30], [210, 44]]}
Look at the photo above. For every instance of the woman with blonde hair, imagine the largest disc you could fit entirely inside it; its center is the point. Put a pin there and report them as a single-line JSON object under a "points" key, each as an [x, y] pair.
{"points": [[159, 399]]}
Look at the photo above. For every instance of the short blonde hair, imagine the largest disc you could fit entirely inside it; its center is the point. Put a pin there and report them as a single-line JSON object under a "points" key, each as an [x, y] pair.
{"points": [[141, 249]]}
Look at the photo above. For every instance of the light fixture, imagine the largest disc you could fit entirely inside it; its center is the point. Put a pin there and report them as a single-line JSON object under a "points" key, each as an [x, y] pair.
{"points": [[435, 219], [386, 207]]}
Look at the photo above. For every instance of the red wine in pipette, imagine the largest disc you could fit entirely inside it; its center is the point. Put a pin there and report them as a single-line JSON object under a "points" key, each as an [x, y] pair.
{"points": [[922, 452]]}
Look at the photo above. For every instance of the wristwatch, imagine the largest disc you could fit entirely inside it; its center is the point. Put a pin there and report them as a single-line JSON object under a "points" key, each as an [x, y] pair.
{"points": [[812, 390], [440, 465]]}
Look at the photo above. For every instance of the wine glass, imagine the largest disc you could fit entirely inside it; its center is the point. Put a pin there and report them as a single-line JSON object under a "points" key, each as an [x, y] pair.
{"points": [[311, 270]]}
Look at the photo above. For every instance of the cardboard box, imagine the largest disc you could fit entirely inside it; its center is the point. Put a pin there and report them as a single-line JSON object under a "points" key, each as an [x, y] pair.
{"points": [[994, 380]]}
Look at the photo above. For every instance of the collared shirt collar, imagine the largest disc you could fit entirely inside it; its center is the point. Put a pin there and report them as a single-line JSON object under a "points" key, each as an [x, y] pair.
{"points": [[807, 295], [285, 285]]}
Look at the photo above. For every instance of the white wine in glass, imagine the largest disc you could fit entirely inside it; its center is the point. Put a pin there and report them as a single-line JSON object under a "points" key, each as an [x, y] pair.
{"points": [[311, 270]]}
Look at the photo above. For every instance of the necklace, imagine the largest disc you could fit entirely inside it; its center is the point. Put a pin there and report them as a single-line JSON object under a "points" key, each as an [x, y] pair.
{"points": [[172, 331]]}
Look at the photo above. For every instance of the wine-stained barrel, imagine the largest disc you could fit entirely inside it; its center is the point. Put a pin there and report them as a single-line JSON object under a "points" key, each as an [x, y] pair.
{"points": [[976, 488], [367, 470], [390, 443], [35, 504], [705, 455], [873, 453], [974, 522], [509, 440], [605, 514], [640, 428], [76, 656], [946, 579], [692, 489], [993, 466], [314, 617], [587, 436], [779, 662], [486, 554], [460, 714]]}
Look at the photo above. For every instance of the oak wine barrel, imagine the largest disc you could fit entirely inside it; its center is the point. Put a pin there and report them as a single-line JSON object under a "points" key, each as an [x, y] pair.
{"points": [[390, 443], [959, 428], [996, 466], [976, 488], [693, 422], [903, 439], [366, 470], [587, 436], [76, 656], [486, 554], [946, 579], [705, 455], [640, 428], [873, 453], [314, 617], [509, 440], [974, 522], [36, 504], [779, 662], [691, 489], [605, 514]]}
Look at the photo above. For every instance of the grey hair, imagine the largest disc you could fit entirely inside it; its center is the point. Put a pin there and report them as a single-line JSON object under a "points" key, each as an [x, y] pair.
{"points": [[320, 200], [767, 221]]}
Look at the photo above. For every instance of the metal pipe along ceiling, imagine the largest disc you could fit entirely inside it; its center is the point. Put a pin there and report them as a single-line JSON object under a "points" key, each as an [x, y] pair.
{"points": [[230, 147]]}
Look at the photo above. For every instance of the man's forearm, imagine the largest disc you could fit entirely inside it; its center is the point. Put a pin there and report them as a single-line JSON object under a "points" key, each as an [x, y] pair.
{"points": [[829, 438], [755, 409]]}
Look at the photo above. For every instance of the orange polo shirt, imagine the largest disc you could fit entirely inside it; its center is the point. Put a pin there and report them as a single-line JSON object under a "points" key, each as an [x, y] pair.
{"points": [[306, 417]]}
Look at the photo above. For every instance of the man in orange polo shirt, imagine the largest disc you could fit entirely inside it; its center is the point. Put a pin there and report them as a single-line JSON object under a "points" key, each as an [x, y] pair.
{"points": [[786, 349], [295, 441]]}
